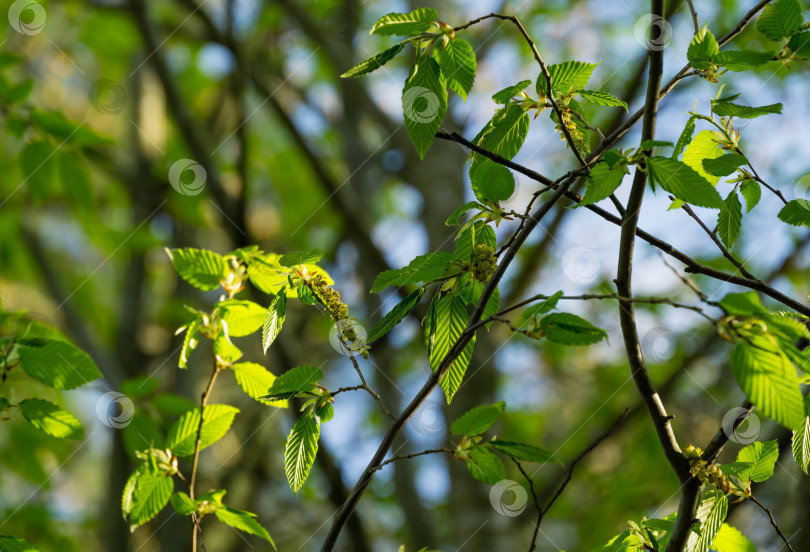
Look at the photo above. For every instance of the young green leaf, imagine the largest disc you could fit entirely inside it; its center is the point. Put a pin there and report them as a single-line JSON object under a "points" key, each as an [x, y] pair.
{"points": [[728, 109], [405, 24], [737, 469], [570, 329], [244, 521], [781, 19], [457, 63], [800, 44], [746, 304], [742, 60], [650, 144], [451, 318], [762, 457], [298, 380], [39, 168], [683, 182], [374, 63], [300, 450], [424, 268], [685, 138], [225, 349], [543, 307], [424, 102], [752, 192], [217, 419], [566, 77], [274, 320], [453, 219], [242, 317], [711, 512], [151, 493], [255, 380], [57, 364], [729, 221], [395, 316], [524, 452], [703, 49], [478, 419], [190, 341], [729, 539], [801, 445], [491, 181], [769, 379], [703, 147], [602, 182], [201, 268], [724, 165], [599, 97], [796, 213], [504, 96], [505, 133], [301, 258], [15, 544], [485, 466], [183, 504], [49, 418]]}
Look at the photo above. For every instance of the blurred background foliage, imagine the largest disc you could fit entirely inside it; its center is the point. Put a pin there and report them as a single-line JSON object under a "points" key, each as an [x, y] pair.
{"points": [[106, 96]]}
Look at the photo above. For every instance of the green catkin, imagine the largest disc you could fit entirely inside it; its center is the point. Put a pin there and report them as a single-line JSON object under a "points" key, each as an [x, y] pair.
{"points": [[706, 473], [484, 262]]}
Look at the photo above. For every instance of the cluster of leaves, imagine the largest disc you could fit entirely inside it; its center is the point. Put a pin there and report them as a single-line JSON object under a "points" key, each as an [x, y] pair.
{"points": [[31, 350]]}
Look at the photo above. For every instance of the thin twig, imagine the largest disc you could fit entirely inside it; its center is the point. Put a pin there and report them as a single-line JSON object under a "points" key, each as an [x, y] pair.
{"points": [[686, 280], [344, 389], [415, 454], [773, 521], [368, 388], [695, 20], [536, 501]]}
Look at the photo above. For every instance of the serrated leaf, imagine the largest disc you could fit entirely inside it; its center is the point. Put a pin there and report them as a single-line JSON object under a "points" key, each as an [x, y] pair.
{"points": [[752, 192], [602, 182], [769, 379], [547, 305], [15, 544], [298, 380], [491, 181], [457, 63], [724, 165], [505, 133], [57, 364], [183, 504], [800, 44], [129, 489], [728, 109], [485, 466], [300, 450], [39, 168], [801, 445], [395, 316], [729, 221], [762, 457], [424, 102], [276, 314], [424, 268], [503, 96], [745, 303], [650, 144], [729, 539], [374, 63], [524, 452], [742, 60], [255, 380], [201, 268], [796, 213], [566, 77], [711, 512], [703, 147], [244, 521], [451, 317], [478, 419], [225, 349], [301, 258], [453, 219], [683, 182], [703, 49], [570, 329], [217, 419], [151, 493], [737, 469], [190, 342], [599, 97], [242, 317], [49, 418], [685, 138], [404, 24], [781, 19]]}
